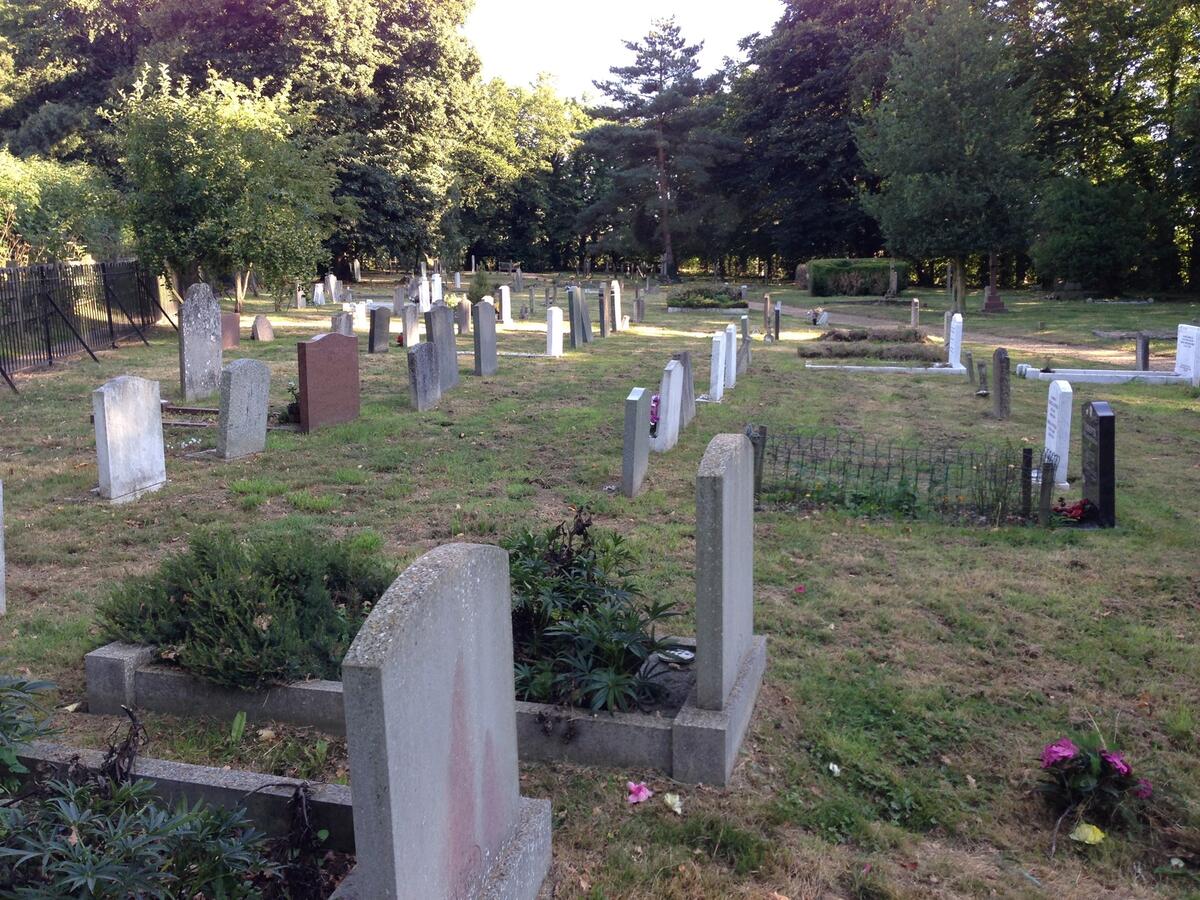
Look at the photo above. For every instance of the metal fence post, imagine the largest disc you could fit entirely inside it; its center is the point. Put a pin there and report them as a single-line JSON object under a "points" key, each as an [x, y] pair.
{"points": [[1026, 482], [1045, 497], [758, 441]]}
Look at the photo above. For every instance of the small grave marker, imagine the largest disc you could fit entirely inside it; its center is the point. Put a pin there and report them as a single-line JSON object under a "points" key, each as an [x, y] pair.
{"points": [[554, 331], [231, 331], [730, 356], [261, 330], [342, 323], [505, 311], [410, 324], [687, 405]]}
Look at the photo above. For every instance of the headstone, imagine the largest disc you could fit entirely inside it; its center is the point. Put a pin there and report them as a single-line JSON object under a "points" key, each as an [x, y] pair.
{"points": [[618, 319], [199, 343], [439, 331], [766, 317], [505, 310], [245, 399], [893, 280], [716, 372], [914, 314], [969, 362], [424, 385], [299, 298], [462, 317], [261, 330], [519, 281], [231, 328], [687, 404], [357, 271], [3, 588], [1002, 378], [605, 311], [639, 305], [484, 315], [554, 331], [432, 738], [1100, 460], [129, 438], [1058, 427], [328, 380], [423, 294], [730, 357], [585, 317], [991, 294], [380, 329], [778, 317], [410, 324], [724, 567], [635, 457], [331, 288], [318, 295], [670, 402], [458, 281], [954, 356], [1143, 353], [436, 288], [983, 385], [822, 319], [576, 320], [362, 316], [1187, 353], [342, 323], [743, 292], [743, 350], [802, 277]]}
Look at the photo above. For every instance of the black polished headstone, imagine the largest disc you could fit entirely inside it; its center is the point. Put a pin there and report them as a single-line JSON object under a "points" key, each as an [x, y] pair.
{"points": [[1100, 461]]}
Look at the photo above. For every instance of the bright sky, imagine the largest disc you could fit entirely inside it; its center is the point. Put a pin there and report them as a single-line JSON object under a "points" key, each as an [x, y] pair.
{"points": [[577, 41]]}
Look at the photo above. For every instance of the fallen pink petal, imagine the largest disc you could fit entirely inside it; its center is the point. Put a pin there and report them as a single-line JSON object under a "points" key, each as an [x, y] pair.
{"points": [[638, 792]]}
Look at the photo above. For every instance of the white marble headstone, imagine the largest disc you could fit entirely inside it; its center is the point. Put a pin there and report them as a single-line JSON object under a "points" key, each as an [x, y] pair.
{"points": [[1058, 427], [505, 309], [1187, 353], [956, 340], [129, 438], [554, 331], [730, 356], [436, 287], [670, 405], [716, 375], [423, 294]]}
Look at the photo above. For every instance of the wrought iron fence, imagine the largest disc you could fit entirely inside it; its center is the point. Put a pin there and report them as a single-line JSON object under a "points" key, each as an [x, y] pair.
{"points": [[48, 312], [970, 484]]}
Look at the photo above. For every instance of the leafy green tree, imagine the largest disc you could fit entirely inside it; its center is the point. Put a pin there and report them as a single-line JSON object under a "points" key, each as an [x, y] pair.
{"points": [[950, 143], [661, 142], [223, 179], [1095, 234]]}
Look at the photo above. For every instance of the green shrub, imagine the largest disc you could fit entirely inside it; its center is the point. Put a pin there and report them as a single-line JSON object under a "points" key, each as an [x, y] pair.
{"points": [[582, 631], [22, 719], [708, 298], [853, 277], [250, 613], [479, 287]]}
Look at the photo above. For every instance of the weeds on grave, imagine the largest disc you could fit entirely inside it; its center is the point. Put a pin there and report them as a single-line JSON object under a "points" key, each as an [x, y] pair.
{"points": [[254, 612], [22, 719], [707, 298], [583, 633]]}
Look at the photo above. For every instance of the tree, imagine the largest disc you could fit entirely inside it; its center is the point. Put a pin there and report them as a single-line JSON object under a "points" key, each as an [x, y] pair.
{"points": [[950, 143], [223, 179], [660, 138]]}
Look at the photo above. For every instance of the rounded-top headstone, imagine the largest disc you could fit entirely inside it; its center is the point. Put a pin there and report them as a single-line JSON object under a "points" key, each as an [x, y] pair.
{"points": [[199, 343]]}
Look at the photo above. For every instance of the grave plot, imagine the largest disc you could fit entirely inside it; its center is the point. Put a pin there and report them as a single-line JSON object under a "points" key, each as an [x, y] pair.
{"points": [[1186, 370], [952, 366]]}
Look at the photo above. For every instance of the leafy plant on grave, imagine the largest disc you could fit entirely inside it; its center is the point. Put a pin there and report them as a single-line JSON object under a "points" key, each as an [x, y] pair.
{"points": [[583, 633], [708, 298], [479, 287], [254, 612], [22, 719]]}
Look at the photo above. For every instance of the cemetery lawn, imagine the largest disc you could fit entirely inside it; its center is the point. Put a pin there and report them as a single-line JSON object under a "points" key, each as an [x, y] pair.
{"points": [[916, 669]]}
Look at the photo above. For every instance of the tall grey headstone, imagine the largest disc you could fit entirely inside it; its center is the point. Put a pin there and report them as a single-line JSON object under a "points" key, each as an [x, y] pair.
{"points": [[554, 331], [574, 301], [462, 317], [439, 331], [1002, 379], [435, 288], [484, 315], [605, 311], [410, 324], [670, 401], [687, 403], [199, 343], [635, 457], [380, 330], [129, 438], [245, 400], [424, 385], [342, 323], [1142, 363], [585, 317], [433, 747], [318, 295], [458, 281], [3, 564]]}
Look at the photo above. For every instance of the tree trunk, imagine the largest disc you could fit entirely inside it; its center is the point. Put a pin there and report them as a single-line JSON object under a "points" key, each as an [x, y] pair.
{"points": [[241, 279], [960, 285]]}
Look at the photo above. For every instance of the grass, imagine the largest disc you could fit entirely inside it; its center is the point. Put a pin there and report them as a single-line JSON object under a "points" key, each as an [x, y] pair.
{"points": [[927, 663]]}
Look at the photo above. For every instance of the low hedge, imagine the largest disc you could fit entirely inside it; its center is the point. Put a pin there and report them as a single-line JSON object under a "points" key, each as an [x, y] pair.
{"points": [[864, 350], [707, 298], [853, 277]]}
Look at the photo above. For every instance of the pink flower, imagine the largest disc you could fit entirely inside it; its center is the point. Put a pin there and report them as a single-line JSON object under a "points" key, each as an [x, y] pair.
{"points": [[799, 589], [1060, 750], [638, 792], [1143, 789], [1114, 759]]}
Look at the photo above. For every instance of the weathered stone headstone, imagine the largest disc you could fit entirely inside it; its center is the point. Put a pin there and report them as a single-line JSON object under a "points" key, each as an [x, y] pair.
{"points": [[231, 331], [357, 268], [342, 323], [585, 317], [639, 305], [1058, 427], [1002, 379], [914, 314], [379, 334], [554, 331], [410, 324], [245, 399], [635, 457], [129, 439], [199, 343], [618, 318], [716, 372], [3, 565], [505, 310], [424, 385], [991, 294], [893, 280], [462, 317], [687, 403], [778, 318], [969, 362], [822, 319], [983, 384], [605, 312], [484, 315], [730, 658], [574, 295], [431, 732], [261, 330], [670, 401], [1143, 353], [518, 280], [743, 350], [743, 292], [439, 331], [1100, 460], [730, 357], [328, 380]]}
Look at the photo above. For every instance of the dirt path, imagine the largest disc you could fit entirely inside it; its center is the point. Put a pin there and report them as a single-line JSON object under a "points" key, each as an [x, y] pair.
{"points": [[1112, 358]]}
